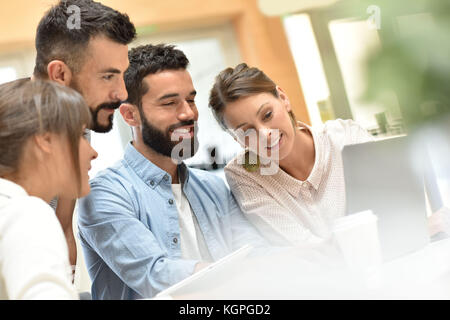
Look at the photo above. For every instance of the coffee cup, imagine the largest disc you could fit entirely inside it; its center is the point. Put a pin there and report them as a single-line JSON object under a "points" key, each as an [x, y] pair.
{"points": [[357, 237]]}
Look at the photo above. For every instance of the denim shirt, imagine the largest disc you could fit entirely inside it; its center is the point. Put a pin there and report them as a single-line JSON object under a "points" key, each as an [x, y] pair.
{"points": [[129, 231]]}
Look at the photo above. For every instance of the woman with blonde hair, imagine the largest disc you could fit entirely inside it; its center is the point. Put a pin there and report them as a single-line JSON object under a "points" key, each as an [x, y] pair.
{"points": [[43, 154], [296, 203]]}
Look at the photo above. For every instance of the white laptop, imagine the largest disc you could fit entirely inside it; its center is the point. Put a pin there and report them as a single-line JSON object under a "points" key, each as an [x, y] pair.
{"points": [[387, 177], [205, 278]]}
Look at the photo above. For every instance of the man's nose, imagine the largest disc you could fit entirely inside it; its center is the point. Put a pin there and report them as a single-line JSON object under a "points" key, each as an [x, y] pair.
{"points": [[186, 112], [120, 91]]}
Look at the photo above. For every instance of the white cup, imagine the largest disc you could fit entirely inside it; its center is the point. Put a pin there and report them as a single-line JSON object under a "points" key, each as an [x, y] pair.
{"points": [[357, 237]]}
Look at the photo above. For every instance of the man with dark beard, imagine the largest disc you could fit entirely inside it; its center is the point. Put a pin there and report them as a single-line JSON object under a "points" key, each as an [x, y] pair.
{"points": [[150, 221], [84, 45]]}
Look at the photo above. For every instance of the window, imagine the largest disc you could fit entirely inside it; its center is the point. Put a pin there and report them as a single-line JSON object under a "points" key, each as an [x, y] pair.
{"points": [[330, 54], [7, 74], [309, 67]]}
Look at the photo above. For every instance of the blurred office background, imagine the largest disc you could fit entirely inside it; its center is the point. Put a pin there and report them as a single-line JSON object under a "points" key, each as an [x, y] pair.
{"points": [[315, 50], [315, 55]]}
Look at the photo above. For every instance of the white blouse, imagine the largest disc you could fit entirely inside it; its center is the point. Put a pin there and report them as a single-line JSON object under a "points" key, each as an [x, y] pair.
{"points": [[288, 211], [34, 259]]}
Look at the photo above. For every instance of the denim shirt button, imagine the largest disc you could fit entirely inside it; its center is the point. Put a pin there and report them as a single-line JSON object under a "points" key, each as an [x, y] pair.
{"points": [[166, 177], [170, 201], [152, 183], [175, 240]]}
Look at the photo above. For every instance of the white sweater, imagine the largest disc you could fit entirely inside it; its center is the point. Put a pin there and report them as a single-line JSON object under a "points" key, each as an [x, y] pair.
{"points": [[34, 259]]}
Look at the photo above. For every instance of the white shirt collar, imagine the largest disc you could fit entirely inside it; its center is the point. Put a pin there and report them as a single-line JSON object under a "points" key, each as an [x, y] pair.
{"points": [[10, 189], [322, 156]]}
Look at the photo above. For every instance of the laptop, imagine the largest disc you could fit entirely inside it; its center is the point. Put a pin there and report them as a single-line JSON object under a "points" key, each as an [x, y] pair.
{"points": [[387, 177], [205, 279]]}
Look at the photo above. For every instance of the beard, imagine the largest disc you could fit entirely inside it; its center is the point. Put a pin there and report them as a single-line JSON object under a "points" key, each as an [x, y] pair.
{"points": [[162, 143], [95, 125]]}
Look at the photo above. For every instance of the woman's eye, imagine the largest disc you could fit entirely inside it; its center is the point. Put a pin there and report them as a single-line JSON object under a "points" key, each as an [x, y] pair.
{"points": [[267, 115]]}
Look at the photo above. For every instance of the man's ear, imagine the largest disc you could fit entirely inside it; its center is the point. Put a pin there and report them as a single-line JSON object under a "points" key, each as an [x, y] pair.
{"points": [[59, 71], [130, 114]]}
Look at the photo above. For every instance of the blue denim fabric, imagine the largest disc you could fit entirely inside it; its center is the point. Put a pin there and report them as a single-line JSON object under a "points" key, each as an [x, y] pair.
{"points": [[129, 231]]}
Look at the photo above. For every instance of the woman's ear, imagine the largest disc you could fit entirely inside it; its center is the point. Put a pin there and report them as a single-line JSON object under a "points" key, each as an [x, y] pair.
{"points": [[284, 98], [59, 71], [130, 114], [44, 142], [41, 146]]}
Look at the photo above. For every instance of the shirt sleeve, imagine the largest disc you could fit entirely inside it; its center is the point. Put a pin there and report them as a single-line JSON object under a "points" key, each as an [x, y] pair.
{"points": [[34, 253], [109, 224], [243, 232], [275, 222]]}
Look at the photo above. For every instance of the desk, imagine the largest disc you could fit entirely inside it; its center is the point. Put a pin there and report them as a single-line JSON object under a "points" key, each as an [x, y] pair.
{"points": [[424, 274]]}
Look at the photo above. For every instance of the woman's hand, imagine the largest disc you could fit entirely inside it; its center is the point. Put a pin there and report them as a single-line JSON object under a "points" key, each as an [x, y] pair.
{"points": [[439, 222]]}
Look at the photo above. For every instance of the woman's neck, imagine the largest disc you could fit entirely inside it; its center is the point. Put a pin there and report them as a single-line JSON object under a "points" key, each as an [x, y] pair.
{"points": [[300, 161], [32, 183]]}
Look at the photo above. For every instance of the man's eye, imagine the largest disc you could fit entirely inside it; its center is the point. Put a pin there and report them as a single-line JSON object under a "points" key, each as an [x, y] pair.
{"points": [[168, 103], [108, 77]]}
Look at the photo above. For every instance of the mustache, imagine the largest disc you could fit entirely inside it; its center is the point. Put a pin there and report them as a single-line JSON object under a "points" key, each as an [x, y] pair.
{"points": [[181, 124], [109, 105]]}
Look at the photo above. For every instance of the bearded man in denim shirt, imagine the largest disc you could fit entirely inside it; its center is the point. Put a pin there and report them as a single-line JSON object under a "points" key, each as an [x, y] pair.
{"points": [[150, 221]]}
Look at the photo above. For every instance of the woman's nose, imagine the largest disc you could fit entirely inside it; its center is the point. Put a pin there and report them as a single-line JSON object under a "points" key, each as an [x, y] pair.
{"points": [[94, 153], [265, 133]]}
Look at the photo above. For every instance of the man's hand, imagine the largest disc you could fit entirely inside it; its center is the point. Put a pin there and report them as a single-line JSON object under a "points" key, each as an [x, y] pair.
{"points": [[201, 265]]}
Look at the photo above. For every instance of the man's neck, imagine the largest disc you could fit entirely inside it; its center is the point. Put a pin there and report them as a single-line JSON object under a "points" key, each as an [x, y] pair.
{"points": [[163, 162]]}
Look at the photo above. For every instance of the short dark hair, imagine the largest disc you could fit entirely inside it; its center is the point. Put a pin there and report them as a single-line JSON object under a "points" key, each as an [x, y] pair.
{"points": [[150, 59], [56, 41]]}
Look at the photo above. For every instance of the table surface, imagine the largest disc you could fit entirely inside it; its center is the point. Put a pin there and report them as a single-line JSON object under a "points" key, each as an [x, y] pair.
{"points": [[423, 274]]}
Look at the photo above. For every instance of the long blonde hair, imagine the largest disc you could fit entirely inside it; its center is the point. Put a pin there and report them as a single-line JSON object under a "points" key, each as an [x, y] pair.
{"points": [[31, 107]]}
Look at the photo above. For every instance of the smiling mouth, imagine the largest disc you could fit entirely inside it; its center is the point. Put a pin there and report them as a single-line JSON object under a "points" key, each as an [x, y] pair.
{"points": [[276, 143], [183, 132]]}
